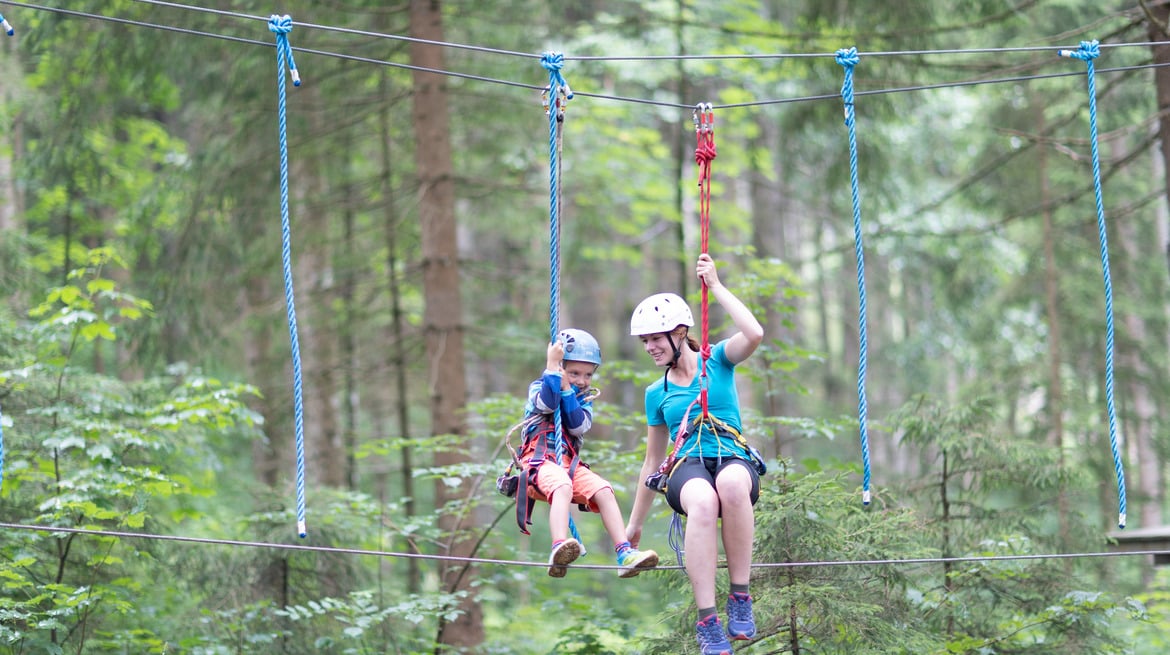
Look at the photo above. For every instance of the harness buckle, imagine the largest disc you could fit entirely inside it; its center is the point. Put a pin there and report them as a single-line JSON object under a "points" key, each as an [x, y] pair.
{"points": [[508, 484], [657, 482]]}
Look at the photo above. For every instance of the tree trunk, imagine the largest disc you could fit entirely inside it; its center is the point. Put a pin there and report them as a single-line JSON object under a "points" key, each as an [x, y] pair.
{"points": [[397, 353], [1159, 32], [442, 315]]}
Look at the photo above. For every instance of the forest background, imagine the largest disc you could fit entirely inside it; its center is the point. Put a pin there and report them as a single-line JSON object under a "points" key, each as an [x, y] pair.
{"points": [[147, 385]]}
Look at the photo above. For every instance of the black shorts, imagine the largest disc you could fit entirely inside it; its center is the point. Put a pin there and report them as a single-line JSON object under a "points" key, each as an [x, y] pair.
{"points": [[706, 468]]}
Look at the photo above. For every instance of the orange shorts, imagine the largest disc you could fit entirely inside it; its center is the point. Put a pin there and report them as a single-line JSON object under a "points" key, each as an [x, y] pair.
{"points": [[585, 483]]}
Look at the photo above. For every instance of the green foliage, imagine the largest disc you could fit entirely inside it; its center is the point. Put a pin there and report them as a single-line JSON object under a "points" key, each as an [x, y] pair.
{"points": [[143, 166], [91, 452]]}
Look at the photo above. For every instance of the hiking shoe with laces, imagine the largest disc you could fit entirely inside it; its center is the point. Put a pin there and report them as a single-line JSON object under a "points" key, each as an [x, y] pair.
{"points": [[741, 625], [712, 640], [634, 561], [562, 555]]}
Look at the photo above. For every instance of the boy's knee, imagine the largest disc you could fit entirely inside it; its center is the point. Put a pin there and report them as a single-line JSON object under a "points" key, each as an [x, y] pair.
{"points": [[560, 491]]}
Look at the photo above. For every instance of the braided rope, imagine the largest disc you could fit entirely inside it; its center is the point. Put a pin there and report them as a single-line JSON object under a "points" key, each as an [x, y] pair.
{"points": [[848, 58], [1087, 52], [557, 93], [281, 26], [1, 451], [704, 119]]}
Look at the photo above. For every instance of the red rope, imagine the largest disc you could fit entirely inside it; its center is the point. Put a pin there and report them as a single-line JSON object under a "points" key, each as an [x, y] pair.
{"points": [[704, 119]]}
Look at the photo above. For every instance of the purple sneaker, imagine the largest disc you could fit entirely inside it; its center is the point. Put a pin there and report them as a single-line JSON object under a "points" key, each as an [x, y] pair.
{"points": [[710, 636], [741, 625]]}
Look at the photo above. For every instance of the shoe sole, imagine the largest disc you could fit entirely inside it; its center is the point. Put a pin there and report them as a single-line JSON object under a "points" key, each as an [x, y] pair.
{"points": [[649, 561], [741, 637], [568, 553]]}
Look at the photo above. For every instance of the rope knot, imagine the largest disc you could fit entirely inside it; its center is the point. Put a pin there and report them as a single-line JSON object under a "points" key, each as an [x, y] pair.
{"points": [[280, 24], [705, 351], [1088, 51], [553, 62], [848, 57], [704, 153]]}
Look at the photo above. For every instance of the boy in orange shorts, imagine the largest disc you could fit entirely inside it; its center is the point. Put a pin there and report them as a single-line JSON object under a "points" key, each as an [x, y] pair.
{"points": [[564, 387]]}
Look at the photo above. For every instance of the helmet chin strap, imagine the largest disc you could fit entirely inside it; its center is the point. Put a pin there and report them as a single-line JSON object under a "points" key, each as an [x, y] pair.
{"points": [[673, 360]]}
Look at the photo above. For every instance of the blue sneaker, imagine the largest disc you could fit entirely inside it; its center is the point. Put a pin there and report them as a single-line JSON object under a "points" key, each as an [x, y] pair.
{"points": [[634, 561], [710, 636], [741, 625]]}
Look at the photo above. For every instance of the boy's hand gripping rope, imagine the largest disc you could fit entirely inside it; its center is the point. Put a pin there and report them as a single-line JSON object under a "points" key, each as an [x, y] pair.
{"points": [[704, 119], [1087, 52], [848, 58], [281, 26], [556, 95]]}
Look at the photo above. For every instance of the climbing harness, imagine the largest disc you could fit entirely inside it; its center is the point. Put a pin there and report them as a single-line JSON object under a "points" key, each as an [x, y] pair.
{"points": [[848, 58], [1087, 52], [659, 480], [519, 479], [281, 26]]}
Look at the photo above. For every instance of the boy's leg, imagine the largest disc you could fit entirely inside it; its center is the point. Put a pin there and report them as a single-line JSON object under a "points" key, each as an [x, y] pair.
{"points": [[601, 497], [553, 481]]}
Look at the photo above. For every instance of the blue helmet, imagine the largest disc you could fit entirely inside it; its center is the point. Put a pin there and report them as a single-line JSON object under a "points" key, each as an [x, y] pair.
{"points": [[580, 346]]}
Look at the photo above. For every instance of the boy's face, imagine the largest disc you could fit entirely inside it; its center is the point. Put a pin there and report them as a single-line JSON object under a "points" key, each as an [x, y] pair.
{"points": [[579, 374]]}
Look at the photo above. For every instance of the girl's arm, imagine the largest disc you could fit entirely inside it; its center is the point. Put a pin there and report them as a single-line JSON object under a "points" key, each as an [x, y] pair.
{"points": [[751, 334], [656, 438]]}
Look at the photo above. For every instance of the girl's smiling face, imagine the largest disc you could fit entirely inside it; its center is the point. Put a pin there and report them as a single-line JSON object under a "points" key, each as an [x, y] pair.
{"points": [[658, 346]]}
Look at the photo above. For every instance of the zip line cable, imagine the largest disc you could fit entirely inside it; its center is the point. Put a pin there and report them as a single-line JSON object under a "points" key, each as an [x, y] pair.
{"points": [[601, 96], [703, 57], [285, 53], [346, 30], [206, 541]]}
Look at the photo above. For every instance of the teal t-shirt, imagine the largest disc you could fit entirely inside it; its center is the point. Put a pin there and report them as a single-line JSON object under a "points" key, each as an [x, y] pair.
{"points": [[665, 406]]}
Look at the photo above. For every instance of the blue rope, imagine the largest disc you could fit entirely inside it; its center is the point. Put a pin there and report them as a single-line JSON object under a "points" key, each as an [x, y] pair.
{"points": [[7, 26], [1087, 52], [281, 26], [1, 451], [848, 58], [552, 62]]}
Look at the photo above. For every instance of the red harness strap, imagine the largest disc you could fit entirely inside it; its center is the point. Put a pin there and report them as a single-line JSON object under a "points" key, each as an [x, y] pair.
{"points": [[527, 493]]}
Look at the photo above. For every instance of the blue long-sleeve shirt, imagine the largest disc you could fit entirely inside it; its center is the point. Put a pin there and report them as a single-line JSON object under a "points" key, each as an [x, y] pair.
{"points": [[545, 395]]}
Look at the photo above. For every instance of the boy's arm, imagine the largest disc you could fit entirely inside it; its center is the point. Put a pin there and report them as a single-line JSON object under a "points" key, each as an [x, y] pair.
{"points": [[545, 394], [576, 417], [545, 397]]}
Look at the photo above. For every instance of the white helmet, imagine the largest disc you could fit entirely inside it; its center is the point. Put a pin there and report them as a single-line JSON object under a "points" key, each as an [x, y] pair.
{"points": [[659, 313]]}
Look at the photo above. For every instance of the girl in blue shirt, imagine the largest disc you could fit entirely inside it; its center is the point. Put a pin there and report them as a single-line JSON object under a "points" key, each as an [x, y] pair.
{"points": [[715, 480]]}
